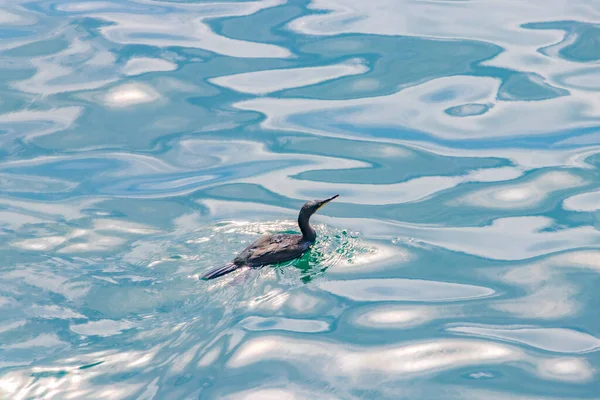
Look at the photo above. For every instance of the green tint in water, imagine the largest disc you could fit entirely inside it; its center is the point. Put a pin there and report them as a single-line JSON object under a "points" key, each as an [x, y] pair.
{"points": [[145, 143]]}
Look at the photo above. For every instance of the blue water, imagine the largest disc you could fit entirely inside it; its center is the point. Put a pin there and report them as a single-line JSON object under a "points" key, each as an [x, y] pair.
{"points": [[143, 143]]}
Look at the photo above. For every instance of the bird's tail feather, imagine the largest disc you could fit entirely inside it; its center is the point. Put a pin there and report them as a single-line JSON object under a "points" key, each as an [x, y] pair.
{"points": [[224, 270]]}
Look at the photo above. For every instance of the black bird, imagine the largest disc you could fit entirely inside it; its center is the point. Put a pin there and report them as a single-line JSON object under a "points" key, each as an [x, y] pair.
{"points": [[273, 249]]}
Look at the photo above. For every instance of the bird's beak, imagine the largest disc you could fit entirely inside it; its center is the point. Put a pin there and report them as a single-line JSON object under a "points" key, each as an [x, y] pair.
{"points": [[328, 200]]}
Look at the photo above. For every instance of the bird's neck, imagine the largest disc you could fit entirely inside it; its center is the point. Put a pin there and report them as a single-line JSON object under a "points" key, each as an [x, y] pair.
{"points": [[308, 233]]}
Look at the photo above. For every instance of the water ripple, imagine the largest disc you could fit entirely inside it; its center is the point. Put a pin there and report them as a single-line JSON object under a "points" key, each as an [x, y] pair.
{"points": [[144, 142]]}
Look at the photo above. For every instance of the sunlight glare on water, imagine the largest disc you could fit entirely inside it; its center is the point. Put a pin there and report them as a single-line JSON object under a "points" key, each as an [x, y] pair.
{"points": [[146, 142]]}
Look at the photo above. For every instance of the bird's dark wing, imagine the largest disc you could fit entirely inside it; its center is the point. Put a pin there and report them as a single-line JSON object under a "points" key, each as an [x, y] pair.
{"points": [[273, 244], [273, 249], [243, 257]]}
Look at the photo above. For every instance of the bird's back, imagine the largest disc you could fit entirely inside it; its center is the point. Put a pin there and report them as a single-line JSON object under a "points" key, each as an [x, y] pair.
{"points": [[272, 249]]}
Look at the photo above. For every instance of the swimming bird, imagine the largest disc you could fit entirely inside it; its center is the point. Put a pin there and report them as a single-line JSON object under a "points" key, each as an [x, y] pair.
{"points": [[273, 249]]}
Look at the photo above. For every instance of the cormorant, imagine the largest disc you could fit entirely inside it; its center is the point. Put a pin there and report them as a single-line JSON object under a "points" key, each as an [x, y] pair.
{"points": [[273, 249]]}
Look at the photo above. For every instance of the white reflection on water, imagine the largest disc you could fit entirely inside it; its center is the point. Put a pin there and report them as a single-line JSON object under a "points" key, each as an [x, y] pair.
{"points": [[505, 118], [84, 240], [143, 142], [37, 123], [285, 324], [526, 194], [130, 94], [409, 191], [184, 26], [471, 21], [332, 362], [288, 393], [263, 82], [102, 327], [548, 294], [553, 339], [143, 65], [583, 202], [43, 340], [398, 316], [514, 238], [392, 289]]}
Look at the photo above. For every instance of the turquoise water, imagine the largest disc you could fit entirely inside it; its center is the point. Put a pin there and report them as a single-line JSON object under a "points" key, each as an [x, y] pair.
{"points": [[143, 143]]}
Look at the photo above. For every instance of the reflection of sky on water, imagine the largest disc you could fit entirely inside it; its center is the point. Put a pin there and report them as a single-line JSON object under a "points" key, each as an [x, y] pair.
{"points": [[144, 142]]}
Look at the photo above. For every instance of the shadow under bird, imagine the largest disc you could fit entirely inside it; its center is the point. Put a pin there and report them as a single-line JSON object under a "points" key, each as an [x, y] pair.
{"points": [[273, 249]]}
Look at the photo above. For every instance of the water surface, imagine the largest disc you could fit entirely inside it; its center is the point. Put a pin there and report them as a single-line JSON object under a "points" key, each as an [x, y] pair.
{"points": [[144, 142]]}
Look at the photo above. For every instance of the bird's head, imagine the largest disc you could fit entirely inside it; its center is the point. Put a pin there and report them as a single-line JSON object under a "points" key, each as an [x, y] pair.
{"points": [[311, 207]]}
